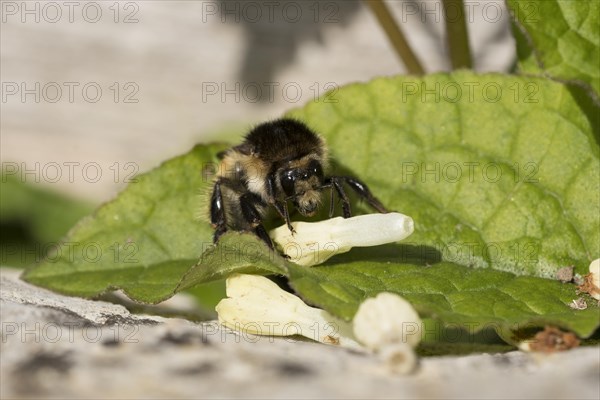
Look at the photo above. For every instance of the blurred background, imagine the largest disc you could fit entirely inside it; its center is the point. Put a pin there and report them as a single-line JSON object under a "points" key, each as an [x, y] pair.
{"points": [[96, 92]]}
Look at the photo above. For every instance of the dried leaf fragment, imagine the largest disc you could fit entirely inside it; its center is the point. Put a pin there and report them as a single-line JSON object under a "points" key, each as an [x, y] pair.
{"points": [[591, 281], [550, 340]]}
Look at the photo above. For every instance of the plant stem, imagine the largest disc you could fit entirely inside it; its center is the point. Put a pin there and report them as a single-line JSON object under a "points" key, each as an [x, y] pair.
{"points": [[395, 35], [456, 34]]}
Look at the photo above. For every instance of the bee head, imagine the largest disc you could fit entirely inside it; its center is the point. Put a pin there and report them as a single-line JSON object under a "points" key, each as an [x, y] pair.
{"points": [[302, 184]]}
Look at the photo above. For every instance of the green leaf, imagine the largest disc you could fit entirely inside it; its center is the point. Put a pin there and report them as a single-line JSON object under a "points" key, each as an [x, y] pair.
{"points": [[143, 241], [49, 213], [500, 173], [32, 219], [455, 295], [510, 182], [560, 38], [235, 253], [473, 298]]}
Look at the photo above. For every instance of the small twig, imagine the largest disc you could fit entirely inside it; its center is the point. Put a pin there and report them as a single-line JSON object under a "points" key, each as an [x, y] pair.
{"points": [[395, 35], [456, 34]]}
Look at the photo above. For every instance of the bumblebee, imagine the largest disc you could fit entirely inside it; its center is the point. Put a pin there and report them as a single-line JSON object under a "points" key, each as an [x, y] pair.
{"points": [[279, 162]]}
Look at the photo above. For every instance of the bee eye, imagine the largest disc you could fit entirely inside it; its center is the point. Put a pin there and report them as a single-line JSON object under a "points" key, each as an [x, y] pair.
{"points": [[288, 180], [314, 168]]}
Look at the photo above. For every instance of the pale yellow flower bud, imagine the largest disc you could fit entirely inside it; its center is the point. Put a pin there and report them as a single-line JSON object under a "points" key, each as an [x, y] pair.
{"points": [[390, 326], [315, 242], [257, 305], [387, 319]]}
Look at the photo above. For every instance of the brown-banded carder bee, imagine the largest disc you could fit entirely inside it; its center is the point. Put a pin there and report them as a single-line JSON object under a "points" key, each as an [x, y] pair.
{"points": [[279, 162]]}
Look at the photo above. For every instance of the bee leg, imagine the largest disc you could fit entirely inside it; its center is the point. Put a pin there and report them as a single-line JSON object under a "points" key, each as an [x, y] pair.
{"points": [[363, 191], [282, 209], [248, 204], [261, 232], [336, 183], [217, 212], [331, 201], [280, 206]]}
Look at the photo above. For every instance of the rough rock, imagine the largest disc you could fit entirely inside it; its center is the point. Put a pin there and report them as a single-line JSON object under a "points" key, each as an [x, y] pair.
{"points": [[55, 346]]}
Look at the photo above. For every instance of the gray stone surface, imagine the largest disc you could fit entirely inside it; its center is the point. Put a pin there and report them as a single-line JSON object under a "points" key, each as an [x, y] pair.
{"points": [[55, 346]]}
